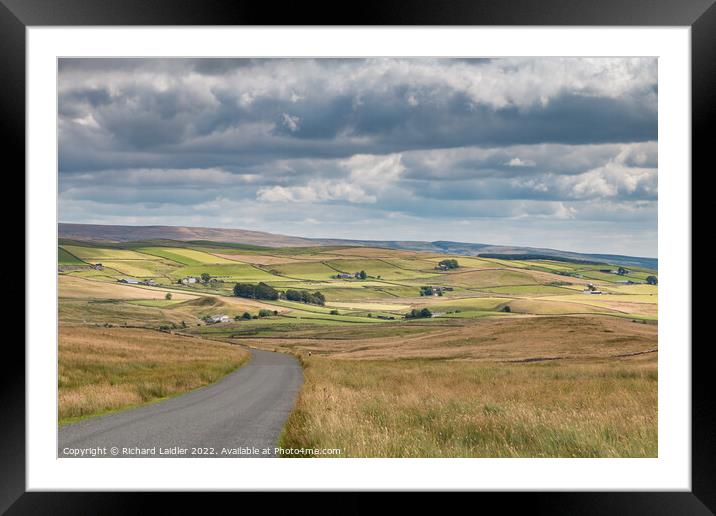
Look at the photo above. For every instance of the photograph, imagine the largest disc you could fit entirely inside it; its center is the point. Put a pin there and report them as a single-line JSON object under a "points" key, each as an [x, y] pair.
{"points": [[357, 257]]}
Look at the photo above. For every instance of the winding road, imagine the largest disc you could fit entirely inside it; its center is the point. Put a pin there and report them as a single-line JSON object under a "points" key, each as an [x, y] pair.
{"points": [[241, 415]]}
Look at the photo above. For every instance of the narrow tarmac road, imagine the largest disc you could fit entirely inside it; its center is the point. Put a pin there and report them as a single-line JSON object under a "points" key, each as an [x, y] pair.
{"points": [[241, 415]]}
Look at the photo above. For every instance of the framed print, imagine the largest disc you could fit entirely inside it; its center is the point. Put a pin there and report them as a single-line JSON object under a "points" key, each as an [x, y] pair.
{"points": [[420, 252]]}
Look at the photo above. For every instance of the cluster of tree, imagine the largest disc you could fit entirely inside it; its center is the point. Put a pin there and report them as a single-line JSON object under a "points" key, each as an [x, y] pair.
{"points": [[304, 296], [362, 275], [430, 291], [418, 314], [258, 291], [262, 313], [651, 280], [622, 271], [450, 263]]}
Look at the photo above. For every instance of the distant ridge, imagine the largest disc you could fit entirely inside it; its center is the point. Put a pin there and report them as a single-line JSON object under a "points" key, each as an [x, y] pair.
{"points": [[107, 233], [119, 234]]}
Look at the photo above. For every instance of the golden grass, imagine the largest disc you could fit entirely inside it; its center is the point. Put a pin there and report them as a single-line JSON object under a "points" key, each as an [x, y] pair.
{"points": [[551, 306], [489, 339], [80, 288], [518, 386], [107, 369], [418, 408], [368, 306]]}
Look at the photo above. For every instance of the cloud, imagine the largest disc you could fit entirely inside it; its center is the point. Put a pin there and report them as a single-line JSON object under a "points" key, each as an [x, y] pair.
{"points": [[366, 177], [290, 122], [267, 143], [517, 162], [316, 191]]}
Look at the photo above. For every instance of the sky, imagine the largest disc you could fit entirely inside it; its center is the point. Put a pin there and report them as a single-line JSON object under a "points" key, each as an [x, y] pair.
{"points": [[542, 152]]}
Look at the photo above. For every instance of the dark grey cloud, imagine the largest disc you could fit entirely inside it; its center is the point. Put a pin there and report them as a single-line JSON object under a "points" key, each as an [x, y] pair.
{"points": [[572, 141]]}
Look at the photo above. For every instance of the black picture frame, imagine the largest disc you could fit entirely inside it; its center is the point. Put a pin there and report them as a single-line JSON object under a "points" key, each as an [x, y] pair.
{"points": [[700, 15]]}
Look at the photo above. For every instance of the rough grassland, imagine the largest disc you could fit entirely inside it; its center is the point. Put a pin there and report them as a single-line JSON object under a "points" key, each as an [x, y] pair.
{"points": [[416, 408], [107, 369], [510, 338]]}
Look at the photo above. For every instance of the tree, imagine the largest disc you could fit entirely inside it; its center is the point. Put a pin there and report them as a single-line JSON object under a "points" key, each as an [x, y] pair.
{"points": [[651, 280], [293, 295], [264, 291], [416, 314], [303, 296], [205, 277], [426, 291], [506, 309], [245, 290], [450, 263], [362, 275], [246, 316], [260, 291], [622, 271], [264, 313], [168, 296], [334, 312]]}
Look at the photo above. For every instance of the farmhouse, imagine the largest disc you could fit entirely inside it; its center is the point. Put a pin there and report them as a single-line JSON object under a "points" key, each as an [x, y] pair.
{"points": [[97, 266], [591, 289], [441, 267], [217, 318], [188, 280], [344, 275], [130, 281], [148, 282], [440, 290]]}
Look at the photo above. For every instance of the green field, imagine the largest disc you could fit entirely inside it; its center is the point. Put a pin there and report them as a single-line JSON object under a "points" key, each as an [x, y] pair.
{"points": [[382, 269], [183, 256], [303, 270], [65, 258], [99, 253]]}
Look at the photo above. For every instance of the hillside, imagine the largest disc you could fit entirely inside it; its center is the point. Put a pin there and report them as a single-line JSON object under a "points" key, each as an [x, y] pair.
{"points": [[495, 357], [111, 233]]}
